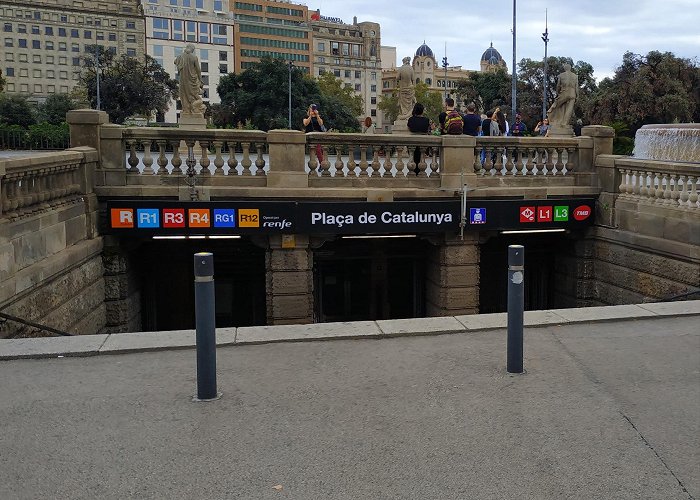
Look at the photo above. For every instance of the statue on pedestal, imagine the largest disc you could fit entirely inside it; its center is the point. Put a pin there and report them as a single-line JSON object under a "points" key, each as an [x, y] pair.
{"points": [[407, 89], [190, 73], [567, 92]]}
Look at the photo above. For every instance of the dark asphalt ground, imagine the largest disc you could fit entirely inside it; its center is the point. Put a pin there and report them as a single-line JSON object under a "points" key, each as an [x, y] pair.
{"points": [[605, 411]]}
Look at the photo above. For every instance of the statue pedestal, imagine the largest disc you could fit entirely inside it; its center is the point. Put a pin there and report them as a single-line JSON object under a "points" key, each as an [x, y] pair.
{"points": [[400, 127], [560, 131], [197, 122]]}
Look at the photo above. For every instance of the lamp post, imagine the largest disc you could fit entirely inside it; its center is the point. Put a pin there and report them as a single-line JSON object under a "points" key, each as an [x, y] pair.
{"points": [[97, 75], [444, 65], [513, 98], [290, 65], [545, 39]]}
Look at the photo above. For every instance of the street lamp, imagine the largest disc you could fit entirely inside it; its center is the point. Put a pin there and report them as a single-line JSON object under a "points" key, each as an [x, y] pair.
{"points": [[513, 98], [290, 65], [444, 65], [97, 74], [545, 39]]}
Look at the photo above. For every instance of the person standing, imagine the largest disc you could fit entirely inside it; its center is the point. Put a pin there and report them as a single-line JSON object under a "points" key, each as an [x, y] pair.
{"points": [[418, 124], [472, 121], [314, 123], [451, 122], [519, 128], [542, 127]]}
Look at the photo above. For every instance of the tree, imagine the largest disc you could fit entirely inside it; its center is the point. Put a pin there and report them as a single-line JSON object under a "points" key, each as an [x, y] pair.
{"points": [[259, 96], [16, 110], [54, 109], [2, 82], [128, 86], [530, 91], [332, 86], [656, 88], [430, 99], [486, 90]]}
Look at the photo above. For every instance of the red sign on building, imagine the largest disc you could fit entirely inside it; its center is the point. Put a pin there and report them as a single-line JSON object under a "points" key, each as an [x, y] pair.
{"points": [[544, 214], [582, 212], [527, 214]]}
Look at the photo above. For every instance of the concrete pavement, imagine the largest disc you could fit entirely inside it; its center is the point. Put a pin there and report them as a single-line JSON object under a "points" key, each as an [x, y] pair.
{"points": [[605, 410]]}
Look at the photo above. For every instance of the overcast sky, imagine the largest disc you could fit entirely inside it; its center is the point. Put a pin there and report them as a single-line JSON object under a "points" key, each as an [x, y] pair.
{"points": [[596, 31]]}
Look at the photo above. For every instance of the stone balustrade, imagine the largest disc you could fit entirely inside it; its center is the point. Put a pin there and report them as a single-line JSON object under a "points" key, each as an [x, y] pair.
{"points": [[45, 181], [667, 184], [527, 156]]}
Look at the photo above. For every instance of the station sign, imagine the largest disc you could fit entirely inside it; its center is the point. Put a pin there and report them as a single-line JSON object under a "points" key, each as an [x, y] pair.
{"points": [[195, 218], [552, 213]]}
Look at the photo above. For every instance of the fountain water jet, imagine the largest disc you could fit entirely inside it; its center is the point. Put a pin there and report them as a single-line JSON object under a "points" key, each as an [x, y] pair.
{"points": [[668, 142]]}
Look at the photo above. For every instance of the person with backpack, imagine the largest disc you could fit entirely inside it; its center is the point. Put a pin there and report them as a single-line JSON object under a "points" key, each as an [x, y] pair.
{"points": [[451, 122]]}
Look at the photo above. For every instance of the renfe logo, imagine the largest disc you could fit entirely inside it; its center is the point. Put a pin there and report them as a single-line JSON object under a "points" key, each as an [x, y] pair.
{"points": [[582, 212], [527, 214]]}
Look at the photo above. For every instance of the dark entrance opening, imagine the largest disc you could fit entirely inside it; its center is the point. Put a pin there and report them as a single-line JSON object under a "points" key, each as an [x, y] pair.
{"points": [[542, 252], [167, 286], [369, 279]]}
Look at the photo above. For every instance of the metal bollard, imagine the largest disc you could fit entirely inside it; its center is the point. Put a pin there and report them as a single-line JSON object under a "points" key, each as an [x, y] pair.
{"points": [[206, 326], [516, 304]]}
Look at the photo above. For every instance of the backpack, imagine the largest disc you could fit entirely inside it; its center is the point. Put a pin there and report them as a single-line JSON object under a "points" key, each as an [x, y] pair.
{"points": [[454, 125]]}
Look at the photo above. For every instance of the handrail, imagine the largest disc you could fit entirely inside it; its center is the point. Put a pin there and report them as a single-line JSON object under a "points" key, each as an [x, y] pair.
{"points": [[35, 325]]}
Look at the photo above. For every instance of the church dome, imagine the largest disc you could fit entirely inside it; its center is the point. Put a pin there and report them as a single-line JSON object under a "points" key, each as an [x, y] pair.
{"points": [[491, 56], [424, 50]]}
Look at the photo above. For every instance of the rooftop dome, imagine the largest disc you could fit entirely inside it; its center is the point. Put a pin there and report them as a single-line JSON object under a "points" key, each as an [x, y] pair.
{"points": [[424, 50], [491, 56]]}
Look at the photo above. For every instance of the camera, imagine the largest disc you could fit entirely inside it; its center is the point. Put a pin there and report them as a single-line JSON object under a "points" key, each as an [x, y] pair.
{"points": [[314, 107]]}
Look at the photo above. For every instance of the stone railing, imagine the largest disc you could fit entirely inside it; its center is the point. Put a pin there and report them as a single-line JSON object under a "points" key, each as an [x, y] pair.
{"points": [[45, 181], [512, 156], [668, 184]]}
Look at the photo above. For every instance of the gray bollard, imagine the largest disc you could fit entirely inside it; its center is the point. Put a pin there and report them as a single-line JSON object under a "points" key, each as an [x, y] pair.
{"points": [[516, 304], [206, 326]]}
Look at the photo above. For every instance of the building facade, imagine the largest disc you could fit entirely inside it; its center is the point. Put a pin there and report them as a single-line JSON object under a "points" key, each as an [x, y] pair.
{"points": [[352, 53], [206, 24], [44, 41], [270, 28]]}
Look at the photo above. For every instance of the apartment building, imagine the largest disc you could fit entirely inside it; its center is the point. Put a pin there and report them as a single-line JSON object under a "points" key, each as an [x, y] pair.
{"points": [[278, 29], [352, 53], [44, 40], [206, 24]]}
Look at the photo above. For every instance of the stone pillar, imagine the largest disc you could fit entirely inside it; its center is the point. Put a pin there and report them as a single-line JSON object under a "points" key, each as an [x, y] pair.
{"points": [[289, 280], [122, 294], [457, 162], [602, 139], [608, 176], [452, 281], [85, 127], [287, 158], [112, 167]]}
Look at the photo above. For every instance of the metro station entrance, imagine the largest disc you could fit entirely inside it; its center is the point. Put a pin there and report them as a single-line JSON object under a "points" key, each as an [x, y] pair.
{"points": [[167, 285], [370, 279]]}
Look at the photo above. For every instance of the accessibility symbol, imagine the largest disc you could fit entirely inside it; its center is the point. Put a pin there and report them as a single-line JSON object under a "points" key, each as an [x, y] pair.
{"points": [[477, 216]]}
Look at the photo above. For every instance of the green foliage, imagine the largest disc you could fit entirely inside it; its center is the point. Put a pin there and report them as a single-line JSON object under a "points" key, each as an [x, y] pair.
{"points": [[332, 86], [430, 99], [259, 96], [54, 109], [128, 86], [656, 88], [16, 110], [37, 136], [2, 82], [485, 90]]}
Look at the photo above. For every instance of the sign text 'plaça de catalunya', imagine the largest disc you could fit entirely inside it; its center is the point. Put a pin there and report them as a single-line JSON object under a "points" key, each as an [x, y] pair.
{"points": [[378, 217]]}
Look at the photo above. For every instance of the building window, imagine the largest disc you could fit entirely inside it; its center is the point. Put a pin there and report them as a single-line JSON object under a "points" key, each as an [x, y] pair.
{"points": [[347, 73], [322, 46], [76, 61], [62, 47], [373, 76], [358, 87], [36, 58], [219, 32], [63, 61], [223, 69], [74, 33], [223, 56], [48, 30], [9, 42], [112, 37], [35, 30], [131, 38], [21, 28], [23, 58], [50, 74], [49, 59], [51, 89], [173, 2], [335, 49], [218, 6], [358, 74], [204, 32], [9, 56], [99, 35], [22, 43], [321, 71], [373, 88], [37, 88], [373, 112], [23, 72], [158, 50], [9, 71], [204, 54], [131, 52], [61, 31], [205, 67], [8, 28], [74, 47], [63, 75], [130, 25], [36, 44], [336, 73], [87, 34], [36, 73]]}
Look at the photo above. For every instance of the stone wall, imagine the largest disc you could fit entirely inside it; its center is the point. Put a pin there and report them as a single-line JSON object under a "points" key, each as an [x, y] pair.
{"points": [[122, 295], [574, 271], [50, 263], [289, 282], [452, 277]]}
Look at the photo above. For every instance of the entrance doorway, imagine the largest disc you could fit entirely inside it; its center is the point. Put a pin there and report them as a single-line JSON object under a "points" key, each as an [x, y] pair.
{"points": [[167, 283], [369, 279]]}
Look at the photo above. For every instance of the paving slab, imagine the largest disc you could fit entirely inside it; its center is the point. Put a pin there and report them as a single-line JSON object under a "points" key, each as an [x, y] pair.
{"points": [[420, 326], [484, 321], [156, 341], [51, 347], [603, 313], [683, 308], [315, 331], [542, 318]]}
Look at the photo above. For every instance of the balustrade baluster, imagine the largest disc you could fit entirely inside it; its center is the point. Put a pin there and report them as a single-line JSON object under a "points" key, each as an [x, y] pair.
{"points": [[246, 162], [571, 159], [658, 189], [675, 194], [642, 184], [693, 198], [559, 165], [387, 163], [351, 161], [147, 158], [363, 161], [376, 165], [548, 163], [622, 188], [260, 160], [204, 161], [133, 160], [509, 164], [668, 198], [177, 160], [232, 160], [401, 169], [478, 168], [651, 190], [13, 195], [684, 194], [529, 164], [218, 159], [325, 163], [338, 165], [162, 159]]}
